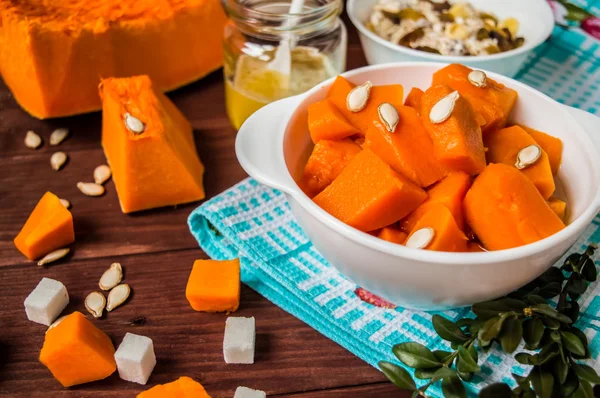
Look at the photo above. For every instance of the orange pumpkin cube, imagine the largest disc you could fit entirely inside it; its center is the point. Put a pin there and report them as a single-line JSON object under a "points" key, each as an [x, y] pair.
{"points": [[184, 387], [369, 194], [493, 103], [504, 146], [77, 352], [214, 286], [392, 234], [409, 149], [326, 162], [414, 99], [49, 227], [447, 237], [457, 140], [551, 145], [325, 122], [559, 207], [157, 166]]}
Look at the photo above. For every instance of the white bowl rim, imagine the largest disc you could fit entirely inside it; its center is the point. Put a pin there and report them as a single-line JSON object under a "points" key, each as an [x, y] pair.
{"points": [[450, 258], [528, 46]]}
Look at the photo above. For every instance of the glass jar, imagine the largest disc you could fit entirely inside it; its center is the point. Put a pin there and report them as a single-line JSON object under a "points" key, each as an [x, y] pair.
{"points": [[317, 42]]}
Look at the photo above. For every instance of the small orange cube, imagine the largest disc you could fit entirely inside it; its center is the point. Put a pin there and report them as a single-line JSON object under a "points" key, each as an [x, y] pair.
{"points": [[77, 352], [392, 234], [214, 286], [182, 387]]}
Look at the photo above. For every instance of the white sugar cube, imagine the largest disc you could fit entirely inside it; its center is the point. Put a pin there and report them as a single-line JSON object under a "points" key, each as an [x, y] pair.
{"points": [[238, 344], [245, 392], [135, 358], [45, 303]]}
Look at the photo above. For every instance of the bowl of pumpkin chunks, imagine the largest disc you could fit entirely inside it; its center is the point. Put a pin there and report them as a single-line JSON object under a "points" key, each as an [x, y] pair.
{"points": [[434, 186]]}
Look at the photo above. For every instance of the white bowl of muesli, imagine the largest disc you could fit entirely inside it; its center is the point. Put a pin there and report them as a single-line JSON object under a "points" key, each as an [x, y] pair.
{"points": [[496, 35]]}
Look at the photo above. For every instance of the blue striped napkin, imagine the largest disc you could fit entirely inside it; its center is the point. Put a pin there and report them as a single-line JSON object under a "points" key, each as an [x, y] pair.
{"points": [[255, 223]]}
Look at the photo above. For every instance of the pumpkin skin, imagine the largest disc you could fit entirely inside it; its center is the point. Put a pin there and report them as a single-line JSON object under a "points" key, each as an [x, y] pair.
{"points": [[53, 54], [158, 167]]}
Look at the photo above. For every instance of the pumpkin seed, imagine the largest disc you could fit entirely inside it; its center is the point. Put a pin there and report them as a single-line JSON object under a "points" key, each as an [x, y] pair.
{"points": [[389, 116], [134, 124], [443, 109], [421, 238], [58, 136], [56, 322], [358, 97], [54, 256], [57, 160], [90, 188], [95, 303], [528, 156], [65, 203], [111, 277], [32, 140], [478, 78], [117, 296], [102, 174]]}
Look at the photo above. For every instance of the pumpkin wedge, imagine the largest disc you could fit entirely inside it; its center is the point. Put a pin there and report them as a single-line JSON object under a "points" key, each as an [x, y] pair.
{"points": [[53, 53], [392, 234], [149, 146], [49, 227], [551, 145], [447, 237], [325, 122], [184, 387], [413, 99]]}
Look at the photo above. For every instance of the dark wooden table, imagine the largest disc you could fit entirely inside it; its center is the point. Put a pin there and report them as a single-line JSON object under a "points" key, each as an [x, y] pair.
{"points": [[157, 252]]}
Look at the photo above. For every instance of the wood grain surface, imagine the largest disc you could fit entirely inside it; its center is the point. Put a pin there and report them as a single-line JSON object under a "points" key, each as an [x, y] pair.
{"points": [[157, 252]]}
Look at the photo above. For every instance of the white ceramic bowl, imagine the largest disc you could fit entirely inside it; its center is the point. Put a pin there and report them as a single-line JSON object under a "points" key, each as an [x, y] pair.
{"points": [[274, 144], [536, 24]]}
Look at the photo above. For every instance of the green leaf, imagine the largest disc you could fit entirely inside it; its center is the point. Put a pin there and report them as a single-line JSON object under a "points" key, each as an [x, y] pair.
{"points": [[542, 382], [533, 330], [511, 334], [400, 377], [535, 299], [473, 352], [572, 261], [572, 343], [572, 311], [461, 323], [552, 275], [522, 381], [491, 329], [468, 364], [416, 356], [442, 356], [547, 353], [523, 358], [452, 387], [586, 372], [424, 374], [555, 336], [570, 385], [576, 286], [550, 312], [448, 330], [551, 323], [550, 290], [583, 338], [560, 370], [442, 373], [496, 390], [588, 270], [491, 309], [585, 390], [575, 13]]}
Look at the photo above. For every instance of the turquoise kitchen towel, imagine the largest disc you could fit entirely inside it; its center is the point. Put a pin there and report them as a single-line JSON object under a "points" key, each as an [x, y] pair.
{"points": [[255, 223]]}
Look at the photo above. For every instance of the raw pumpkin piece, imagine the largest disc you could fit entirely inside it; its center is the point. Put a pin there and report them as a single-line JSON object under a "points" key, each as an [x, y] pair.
{"points": [[338, 93], [392, 234], [558, 207], [326, 162], [551, 145], [505, 209], [457, 141], [325, 122], [184, 387], [214, 286], [52, 54], [494, 102], [414, 99], [49, 227], [450, 192], [408, 149], [504, 146], [369, 194], [77, 352], [447, 236], [157, 166]]}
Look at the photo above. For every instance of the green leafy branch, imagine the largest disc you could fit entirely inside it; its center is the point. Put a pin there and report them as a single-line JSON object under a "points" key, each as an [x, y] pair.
{"points": [[523, 316]]}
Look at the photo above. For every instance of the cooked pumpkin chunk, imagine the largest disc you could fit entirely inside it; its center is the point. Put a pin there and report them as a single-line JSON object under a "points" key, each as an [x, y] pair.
{"points": [[494, 102], [551, 145], [408, 149], [504, 146], [414, 99], [369, 194], [447, 236], [559, 207], [457, 141], [392, 234], [506, 210], [326, 122], [326, 162]]}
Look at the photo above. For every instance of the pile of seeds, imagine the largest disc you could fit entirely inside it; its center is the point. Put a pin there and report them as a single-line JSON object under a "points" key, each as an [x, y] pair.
{"points": [[118, 292], [436, 26]]}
